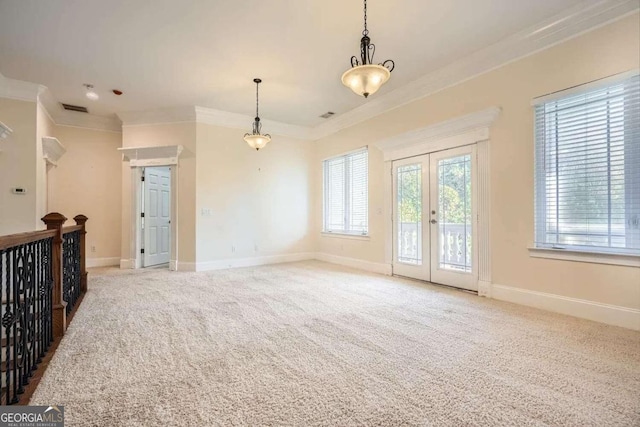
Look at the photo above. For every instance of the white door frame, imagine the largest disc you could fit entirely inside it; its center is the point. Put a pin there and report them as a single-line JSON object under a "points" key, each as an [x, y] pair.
{"points": [[139, 158], [466, 130]]}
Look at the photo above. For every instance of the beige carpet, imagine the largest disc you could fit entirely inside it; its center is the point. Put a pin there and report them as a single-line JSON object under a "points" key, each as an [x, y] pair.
{"points": [[309, 344]]}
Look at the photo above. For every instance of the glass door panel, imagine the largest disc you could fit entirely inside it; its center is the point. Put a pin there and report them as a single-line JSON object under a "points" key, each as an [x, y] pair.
{"points": [[410, 203], [452, 219]]}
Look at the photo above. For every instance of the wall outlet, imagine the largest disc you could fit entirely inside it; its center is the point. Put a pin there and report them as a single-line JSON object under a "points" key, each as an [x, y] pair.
{"points": [[206, 212], [93, 248], [233, 249]]}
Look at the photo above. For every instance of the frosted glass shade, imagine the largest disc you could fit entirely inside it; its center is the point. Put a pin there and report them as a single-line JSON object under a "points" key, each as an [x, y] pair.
{"points": [[365, 80], [257, 141]]}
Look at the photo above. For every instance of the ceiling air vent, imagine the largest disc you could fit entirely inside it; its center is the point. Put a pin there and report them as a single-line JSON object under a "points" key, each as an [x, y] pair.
{"points": [[327, 114], [77, 108]]}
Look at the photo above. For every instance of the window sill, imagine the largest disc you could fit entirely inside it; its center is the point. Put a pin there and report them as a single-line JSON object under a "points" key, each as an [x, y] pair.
{"points": [[584, 256], [345, 235]]}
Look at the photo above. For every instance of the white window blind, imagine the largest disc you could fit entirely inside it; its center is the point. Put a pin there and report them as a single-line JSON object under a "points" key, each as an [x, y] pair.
{"points": [[346, 193], [588, 170]]}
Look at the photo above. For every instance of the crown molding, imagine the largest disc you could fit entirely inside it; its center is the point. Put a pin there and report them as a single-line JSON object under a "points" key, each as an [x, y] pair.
{"points": [[19, 90], [62, 117], [32, 92], [240, 121], [159, 116], [564, 26], [209, 116], [557, 29]]}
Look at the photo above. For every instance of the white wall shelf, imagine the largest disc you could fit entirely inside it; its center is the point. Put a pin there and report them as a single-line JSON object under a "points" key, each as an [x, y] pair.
{"points": [[5, 131], [52, 150]]}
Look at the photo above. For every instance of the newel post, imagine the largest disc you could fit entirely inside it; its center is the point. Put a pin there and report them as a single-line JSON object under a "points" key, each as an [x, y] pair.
{"points": [[55, 221], [81, 220]]}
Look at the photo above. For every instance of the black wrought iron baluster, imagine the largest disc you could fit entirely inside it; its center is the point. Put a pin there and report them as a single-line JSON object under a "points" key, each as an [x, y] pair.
{"points": [[76, 265], [37, 308], [20, 360], [16, 315], [3, 310], [7, 324], [29, 307], [49, 294]]}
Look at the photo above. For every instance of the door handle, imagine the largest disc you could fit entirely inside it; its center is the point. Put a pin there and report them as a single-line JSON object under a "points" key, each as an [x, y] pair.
{"points": [[433, 221]]}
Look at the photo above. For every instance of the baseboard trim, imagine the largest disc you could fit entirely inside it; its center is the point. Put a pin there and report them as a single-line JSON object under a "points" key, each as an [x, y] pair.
{"points": [[127, 263], [373, 267], [599, 312], [102, 262], [248, 262]]}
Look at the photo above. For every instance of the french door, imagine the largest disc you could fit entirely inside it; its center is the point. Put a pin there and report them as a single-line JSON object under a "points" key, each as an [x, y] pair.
{"points": [[434, 217]]}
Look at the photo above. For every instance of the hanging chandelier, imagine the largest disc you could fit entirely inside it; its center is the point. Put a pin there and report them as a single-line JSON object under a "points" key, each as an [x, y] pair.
{"points": [[365, 78], [256, 139]]}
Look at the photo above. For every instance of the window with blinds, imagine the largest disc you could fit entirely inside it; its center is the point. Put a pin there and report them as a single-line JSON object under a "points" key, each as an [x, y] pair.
{"points": [[588, 168], [346, 193]]}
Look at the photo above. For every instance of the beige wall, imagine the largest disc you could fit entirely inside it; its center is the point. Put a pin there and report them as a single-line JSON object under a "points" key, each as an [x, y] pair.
{"points": [[609, 50], [18, 167], [157, 135], [87, 181], [259, 200]]}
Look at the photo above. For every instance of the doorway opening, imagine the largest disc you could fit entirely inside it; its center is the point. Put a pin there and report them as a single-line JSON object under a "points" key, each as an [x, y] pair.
{"points": [[435, 217], [155, 216]]}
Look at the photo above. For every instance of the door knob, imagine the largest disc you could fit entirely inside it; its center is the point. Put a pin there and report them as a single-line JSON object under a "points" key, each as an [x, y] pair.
{"points": [[433, 221]]}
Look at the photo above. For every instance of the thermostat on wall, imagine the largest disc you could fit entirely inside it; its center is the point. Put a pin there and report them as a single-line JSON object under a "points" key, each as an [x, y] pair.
{"points": [[19, 190]]}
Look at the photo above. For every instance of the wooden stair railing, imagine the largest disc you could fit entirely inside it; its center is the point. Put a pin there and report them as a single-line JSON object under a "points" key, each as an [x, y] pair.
{"points": [[34, 309]]}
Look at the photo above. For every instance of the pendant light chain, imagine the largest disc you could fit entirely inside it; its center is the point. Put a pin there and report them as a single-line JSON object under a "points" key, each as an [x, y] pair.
{"points": [[257, 85], [365, 32]]}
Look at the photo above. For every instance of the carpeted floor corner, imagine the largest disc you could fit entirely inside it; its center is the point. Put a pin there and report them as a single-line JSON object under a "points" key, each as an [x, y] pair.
{"points": [[312, 344]]}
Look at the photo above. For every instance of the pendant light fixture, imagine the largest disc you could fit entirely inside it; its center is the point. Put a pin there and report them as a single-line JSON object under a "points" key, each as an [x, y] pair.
{"points": [[365, 78], [256, 139]]}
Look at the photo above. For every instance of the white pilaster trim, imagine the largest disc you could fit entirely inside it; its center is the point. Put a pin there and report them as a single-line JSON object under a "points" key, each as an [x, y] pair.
{"points": [[605, 313], [484, 214]]}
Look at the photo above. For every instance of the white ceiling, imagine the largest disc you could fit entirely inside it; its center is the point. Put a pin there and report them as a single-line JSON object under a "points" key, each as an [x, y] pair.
{"points": [[170, 53]]}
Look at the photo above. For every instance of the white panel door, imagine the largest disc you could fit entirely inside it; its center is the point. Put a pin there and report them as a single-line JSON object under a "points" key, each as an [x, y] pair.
{"points": [[157, 215], [453, 217], [410, 218]]}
